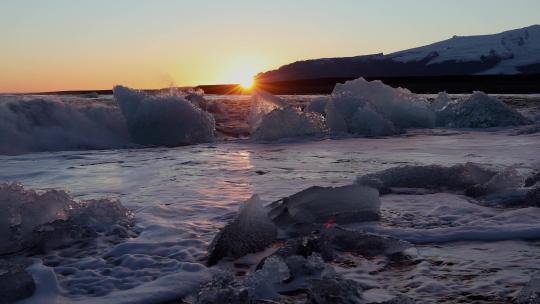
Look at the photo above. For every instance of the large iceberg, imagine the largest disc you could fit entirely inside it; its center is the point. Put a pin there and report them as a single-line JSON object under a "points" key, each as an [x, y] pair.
{"points": [[165, 119], [288, 123], [271, 118], [402, 107], [372, 108], [479, 111]]}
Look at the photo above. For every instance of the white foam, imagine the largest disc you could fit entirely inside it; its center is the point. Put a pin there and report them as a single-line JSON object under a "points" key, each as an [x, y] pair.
{"points": [[262, 103], [440, 218], [52, 123]]}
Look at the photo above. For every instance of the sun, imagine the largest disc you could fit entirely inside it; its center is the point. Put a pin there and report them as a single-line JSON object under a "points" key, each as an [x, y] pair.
{"points": [[247, 83], [243, 75]]}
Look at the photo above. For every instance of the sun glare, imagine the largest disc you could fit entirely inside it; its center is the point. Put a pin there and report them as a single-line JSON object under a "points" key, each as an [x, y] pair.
{"points": [[243, 74], [247, 83]]}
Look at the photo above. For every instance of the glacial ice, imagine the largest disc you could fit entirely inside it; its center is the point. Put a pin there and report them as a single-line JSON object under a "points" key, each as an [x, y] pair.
{"points": [[32, 218], [319, 205], [53, 123], [456, 177], [366, 244], [372, 109], [399, 106], [329, 240], [262, 103], [317, 105], [441, 101], [15, 282], [275, 276], [507, 179], [165, 119], [368, 122], [479, 111], [335, 290], [271, 118], [249, 232], [288, 123]]}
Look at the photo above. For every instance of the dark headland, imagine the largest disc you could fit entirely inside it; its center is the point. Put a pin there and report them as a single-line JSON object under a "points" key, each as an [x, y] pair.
{"points": [[491, 84]]}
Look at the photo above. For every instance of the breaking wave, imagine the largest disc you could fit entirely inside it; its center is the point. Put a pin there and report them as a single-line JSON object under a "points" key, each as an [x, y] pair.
{"points": [[53, 123], [36, 123]]}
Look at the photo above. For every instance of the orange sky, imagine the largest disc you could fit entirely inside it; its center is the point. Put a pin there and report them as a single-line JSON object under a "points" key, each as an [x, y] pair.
{"points": [[74, 45]]}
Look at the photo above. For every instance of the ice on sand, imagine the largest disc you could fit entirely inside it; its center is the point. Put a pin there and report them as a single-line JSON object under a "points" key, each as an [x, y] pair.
{"points": [[456, 177], [29, 216], [318, 205], [251, 231]]}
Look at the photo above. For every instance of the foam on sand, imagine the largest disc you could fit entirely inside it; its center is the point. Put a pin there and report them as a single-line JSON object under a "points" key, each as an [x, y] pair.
{"points": [[443, 217]]}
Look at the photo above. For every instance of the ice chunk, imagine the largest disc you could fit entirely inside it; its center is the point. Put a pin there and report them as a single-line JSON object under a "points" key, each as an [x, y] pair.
{"points": [[479, 111], [29, 215], [325, 241], [532, 198], [262, 103], [250, 232], [442, 100], [319, 205], [456, 177], [532, 179], [401, 107], [368, 122], [505, 180], [335, 120], [335, 290], [222, 289], [167, 119], [287, 123], [15, 282], [366, 244], [22, 210], [262, 283], [317, 105]]}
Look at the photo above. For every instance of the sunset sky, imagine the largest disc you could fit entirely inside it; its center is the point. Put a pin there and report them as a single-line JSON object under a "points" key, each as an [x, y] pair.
{"points": [[70, 44]]}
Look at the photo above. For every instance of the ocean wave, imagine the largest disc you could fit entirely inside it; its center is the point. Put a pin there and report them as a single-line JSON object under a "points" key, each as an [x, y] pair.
{"points": [[32, 123]]}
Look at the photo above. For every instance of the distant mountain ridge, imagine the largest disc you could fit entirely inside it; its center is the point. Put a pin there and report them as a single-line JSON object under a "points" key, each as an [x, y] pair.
{"points": [[510, 52]]}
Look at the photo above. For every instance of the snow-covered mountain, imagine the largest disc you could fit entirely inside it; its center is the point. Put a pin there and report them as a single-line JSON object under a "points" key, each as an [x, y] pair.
{"points": [[511, 52]]}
